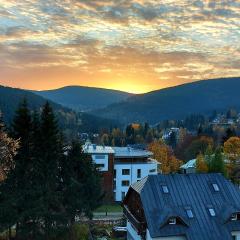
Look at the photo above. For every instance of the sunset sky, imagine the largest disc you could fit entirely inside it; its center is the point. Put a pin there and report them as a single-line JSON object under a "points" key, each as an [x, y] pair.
{"points": [[131, 45]]}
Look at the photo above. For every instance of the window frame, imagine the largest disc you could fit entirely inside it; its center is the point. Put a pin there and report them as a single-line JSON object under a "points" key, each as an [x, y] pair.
{"points": [[212, 212], [127, 185], [124, 170], [165, 189], [215, 187]]}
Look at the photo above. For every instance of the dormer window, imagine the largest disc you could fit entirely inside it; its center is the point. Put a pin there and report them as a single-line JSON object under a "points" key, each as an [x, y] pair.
{"points": [[234, 217], [215, 187], [172, 221], [165, 189]]}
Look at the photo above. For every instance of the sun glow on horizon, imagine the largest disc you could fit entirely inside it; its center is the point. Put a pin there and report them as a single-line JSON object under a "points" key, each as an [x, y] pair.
{"points": [[134, 46]]}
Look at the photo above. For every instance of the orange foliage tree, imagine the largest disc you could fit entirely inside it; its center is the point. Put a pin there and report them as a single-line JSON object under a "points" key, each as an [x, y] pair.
{"points": [[201, 165], [232, 152], [164, 155]]}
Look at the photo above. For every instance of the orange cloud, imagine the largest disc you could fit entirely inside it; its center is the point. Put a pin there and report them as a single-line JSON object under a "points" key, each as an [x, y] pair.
{"points": [[134, 45]]}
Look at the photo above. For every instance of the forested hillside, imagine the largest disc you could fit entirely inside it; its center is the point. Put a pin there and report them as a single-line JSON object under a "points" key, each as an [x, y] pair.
{"points": [[200, 97], [70, 121], [84, 98]]}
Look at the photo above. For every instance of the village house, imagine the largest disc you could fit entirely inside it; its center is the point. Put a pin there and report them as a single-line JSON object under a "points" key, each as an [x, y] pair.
{"points": [[189, 167], [121, 167], [183, 207]]}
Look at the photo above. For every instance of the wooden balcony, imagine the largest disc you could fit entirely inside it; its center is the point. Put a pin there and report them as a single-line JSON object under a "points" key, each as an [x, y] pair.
{"points": [[139, 226]]}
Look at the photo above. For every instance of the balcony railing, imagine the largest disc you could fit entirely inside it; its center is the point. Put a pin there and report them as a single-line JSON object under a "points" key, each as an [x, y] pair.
{"points": [[139, 226]]}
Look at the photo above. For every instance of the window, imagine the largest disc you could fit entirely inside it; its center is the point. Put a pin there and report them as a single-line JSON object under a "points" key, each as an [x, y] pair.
{"points": [[172, 221], [189, 213], [115, 173], [234, 217], [215, 187], [114, 185], [99, 156], [165, 189], [123, 195], [212, 212], [100, 166], [125, 183], [139, 173], [152, 170], [125, 171]]}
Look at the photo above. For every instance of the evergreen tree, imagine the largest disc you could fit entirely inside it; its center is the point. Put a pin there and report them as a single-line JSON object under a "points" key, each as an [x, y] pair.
{"points": [[218, 164], [209, 156], [50, 158], [81, 184], [229, 133], [172, 140], [17, 187]]}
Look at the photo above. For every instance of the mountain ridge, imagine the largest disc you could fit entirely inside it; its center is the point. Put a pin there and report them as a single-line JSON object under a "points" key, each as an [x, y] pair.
{"points": [[176, 102], [81, 98]]}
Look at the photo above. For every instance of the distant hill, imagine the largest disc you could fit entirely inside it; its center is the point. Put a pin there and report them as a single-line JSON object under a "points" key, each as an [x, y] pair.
{"points": [[70, 121], [84, 98], [177, 102]]}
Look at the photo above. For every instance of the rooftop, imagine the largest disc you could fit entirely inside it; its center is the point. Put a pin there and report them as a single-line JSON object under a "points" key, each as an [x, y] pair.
{"points": [[189, 164], [210, 208], [97, 149], [128, 152]]}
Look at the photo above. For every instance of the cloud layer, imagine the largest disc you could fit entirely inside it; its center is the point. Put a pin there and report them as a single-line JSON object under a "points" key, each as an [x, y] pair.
{"points": [[133, 45]]}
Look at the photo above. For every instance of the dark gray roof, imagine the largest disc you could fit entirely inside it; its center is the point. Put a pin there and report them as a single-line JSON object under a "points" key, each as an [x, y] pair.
{"points": [[193, 191]]}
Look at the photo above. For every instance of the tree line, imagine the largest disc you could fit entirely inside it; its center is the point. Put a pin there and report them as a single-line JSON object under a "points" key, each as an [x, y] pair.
{"points": [[43, 188]]}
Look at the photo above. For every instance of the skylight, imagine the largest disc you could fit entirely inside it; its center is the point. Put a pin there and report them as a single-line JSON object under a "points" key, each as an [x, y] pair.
{"points": [[215, 187], [189, 213], [165, 189], [212, 212]]}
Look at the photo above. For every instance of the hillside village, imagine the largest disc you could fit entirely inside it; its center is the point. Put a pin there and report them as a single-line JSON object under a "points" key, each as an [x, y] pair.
{"points": [[142, 181], [119, 120]]}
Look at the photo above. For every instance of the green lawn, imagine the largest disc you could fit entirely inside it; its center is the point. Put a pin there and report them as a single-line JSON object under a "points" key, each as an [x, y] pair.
{"points": [[109, 208]]}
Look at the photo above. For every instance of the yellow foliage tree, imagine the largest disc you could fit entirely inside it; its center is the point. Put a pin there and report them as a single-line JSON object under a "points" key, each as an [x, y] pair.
{"points": [[164, 155], [232, 151], [201, 165]]}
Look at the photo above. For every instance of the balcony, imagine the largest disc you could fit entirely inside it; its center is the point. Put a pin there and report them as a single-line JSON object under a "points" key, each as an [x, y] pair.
{"points": [[139, 226]]}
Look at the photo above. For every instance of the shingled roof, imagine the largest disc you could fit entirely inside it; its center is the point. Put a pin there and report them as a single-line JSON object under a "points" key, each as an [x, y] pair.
{"points": [[189, 191]]}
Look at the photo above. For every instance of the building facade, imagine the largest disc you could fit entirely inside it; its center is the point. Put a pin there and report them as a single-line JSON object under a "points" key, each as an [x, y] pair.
{"points": [[183, 207], [121, 167]]}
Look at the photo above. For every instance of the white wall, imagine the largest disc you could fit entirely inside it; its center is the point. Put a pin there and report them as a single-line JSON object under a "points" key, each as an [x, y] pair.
{"points": [[132, 177], [237, 234], [103, 160], [131, 232], [148, 237]]}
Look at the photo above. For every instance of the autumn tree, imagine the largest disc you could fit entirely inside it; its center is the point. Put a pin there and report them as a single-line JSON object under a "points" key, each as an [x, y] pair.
{"points": [[165, 156], [201, 165], [232, 151], [197, 146], [8, 149]]}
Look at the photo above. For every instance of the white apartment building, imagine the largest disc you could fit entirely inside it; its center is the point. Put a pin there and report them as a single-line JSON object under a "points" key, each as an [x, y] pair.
{"points": [[121, 167]]}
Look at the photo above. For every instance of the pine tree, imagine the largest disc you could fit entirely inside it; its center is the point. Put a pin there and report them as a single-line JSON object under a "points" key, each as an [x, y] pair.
{"points": [[218, 164], [81, 184], [16, 188], [209, 156], [50, 159]]}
